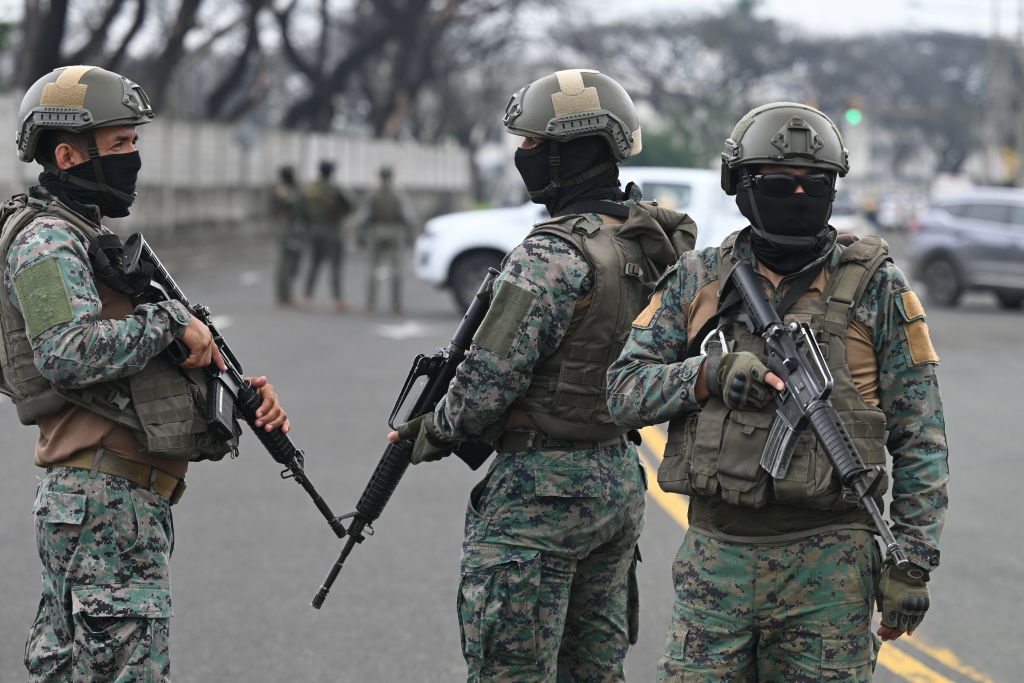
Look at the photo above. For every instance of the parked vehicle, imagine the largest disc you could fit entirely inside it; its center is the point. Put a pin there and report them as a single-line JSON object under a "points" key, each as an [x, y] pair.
{"points": [[971, 240], [456, 249]]}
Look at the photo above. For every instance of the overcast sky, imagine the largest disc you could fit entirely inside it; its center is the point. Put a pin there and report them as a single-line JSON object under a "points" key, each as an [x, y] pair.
{"points": [[846, 17]]}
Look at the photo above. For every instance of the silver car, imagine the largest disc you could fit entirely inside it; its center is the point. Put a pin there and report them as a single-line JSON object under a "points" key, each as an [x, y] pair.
{"points": [[971, 240]]}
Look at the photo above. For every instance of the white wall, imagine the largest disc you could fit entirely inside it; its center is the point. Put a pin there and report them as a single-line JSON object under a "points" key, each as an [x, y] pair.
{"points": [[205, 174]]}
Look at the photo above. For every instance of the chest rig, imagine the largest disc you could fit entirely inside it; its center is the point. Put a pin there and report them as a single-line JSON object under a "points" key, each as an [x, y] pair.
{"points": [[716, 452], [566, 397], [162, 405]]}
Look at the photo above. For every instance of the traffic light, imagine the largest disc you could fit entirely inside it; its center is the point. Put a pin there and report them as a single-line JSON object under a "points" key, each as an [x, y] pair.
{"points": [[853, 113]]}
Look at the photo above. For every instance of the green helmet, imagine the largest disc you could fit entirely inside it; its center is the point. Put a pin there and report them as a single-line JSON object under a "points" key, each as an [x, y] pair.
{"points": [[783, 134], [572, 104], [75, 99]]}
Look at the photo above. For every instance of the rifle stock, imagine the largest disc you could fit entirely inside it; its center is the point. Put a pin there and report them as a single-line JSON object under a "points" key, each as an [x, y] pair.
{"points": [[794, 356], [439, 369]]}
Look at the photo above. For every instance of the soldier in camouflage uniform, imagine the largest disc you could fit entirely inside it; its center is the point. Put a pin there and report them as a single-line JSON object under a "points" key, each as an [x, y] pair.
{"points": [[326, 207], [776, 578], [292, 230], [548, 589], [81, 359], [386, 229]]}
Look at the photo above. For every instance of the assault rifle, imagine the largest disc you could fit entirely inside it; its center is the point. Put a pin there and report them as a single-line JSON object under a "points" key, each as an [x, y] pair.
{"points": [[227, 390], [794, 356], [438, 369]]}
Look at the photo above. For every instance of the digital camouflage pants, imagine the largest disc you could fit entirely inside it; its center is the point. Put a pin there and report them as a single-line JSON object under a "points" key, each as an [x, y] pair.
{"points": [[798, 613], [105, 609], [548, 588]]}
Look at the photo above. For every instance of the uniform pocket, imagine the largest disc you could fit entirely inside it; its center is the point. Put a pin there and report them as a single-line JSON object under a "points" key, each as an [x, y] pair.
{"points": [[497, 603], [116, 625], [59, 508], [674, 470], [846, 652], [740, 475]]}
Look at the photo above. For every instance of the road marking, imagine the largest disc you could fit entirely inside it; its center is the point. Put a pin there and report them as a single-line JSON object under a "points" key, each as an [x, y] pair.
{"points": [[905, 666], [891, 656], [409, 329], [948, 658]]}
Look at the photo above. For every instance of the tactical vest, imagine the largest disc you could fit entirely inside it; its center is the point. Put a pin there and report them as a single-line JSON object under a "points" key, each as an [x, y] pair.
{"points": [[163, 405], [716, 452], [566, 396]]}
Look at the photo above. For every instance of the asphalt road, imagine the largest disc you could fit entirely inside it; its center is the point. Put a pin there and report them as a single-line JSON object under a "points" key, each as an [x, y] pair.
{"points": [[251, 550]]}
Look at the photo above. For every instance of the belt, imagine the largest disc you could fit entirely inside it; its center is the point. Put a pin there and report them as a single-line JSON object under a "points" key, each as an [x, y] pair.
{"points": [[515, 441], [146, 476]]}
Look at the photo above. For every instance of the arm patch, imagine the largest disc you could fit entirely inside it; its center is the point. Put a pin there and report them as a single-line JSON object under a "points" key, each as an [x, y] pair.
{"points": [[510, 306], [43, 296], [916, 329]]}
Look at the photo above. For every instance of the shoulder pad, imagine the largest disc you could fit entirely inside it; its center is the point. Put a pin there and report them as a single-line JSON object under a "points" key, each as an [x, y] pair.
{"points": [[565, 225], [866, 248]]}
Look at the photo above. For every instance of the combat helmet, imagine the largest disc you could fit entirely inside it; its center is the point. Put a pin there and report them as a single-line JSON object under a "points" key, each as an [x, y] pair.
{"points": [[573, 103], [78, 99], [783, 134]]}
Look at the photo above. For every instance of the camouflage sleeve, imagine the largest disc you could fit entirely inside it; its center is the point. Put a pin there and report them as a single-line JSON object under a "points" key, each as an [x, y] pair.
{"points": [[653, 381], [49, 279], [909, 394], [534, 300]]}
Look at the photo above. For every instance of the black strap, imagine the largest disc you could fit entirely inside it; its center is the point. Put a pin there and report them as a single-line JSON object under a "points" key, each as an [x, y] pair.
{"points": [[801, 284], [605, 207]]}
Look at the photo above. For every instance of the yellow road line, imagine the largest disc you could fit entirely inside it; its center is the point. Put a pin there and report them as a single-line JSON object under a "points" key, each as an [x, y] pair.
{"points": [[948, 658], [890, 657], [905, 666]]}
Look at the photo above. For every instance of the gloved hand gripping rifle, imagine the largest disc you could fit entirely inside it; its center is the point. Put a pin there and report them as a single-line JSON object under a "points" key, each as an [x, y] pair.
{"points": [[794, 356], [227, 390], [438, 369]]}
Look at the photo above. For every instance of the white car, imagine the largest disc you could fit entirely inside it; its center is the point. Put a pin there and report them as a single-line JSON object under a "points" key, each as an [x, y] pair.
{"points": [[456, 249]]}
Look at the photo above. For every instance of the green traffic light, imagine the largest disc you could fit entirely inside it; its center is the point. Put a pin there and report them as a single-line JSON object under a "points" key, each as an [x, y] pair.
{"points": [[854, 116]]}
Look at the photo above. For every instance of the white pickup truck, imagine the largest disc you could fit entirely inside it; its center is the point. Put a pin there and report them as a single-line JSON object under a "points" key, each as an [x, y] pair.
{"points": [[456, 249]]}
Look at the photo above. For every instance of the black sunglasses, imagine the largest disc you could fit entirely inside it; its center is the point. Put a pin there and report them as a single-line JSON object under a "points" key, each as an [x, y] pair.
{"points": [[785, 184]]}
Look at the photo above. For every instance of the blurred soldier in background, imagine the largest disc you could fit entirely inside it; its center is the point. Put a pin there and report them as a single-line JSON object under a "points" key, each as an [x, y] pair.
{"points": [[292, 226], [326, 207], [776, 577], [386, 229], [82, 360], [548, 585]]}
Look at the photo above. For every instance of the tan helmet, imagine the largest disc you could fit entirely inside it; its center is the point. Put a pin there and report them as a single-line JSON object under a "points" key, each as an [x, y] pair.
{"points": [[574, 103], [783, 134], [75, 99]]}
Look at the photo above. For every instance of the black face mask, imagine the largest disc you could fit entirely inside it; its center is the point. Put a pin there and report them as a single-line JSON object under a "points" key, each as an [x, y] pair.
{"points": [[576, 157], [532, 165], [798, 215], [120, 172]]}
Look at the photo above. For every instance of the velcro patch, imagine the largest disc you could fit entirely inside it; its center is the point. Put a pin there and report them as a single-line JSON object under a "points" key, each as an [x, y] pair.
{"points": [[918, 339], [647, 315], [43, 296], [510, 306]]}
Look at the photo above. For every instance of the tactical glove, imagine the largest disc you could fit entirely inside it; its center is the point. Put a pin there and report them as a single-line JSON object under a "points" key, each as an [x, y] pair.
{"points": [[738, 379], [902, 596], [427, 446]]}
